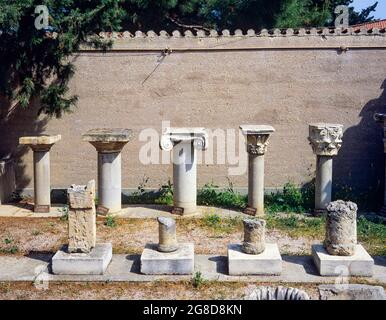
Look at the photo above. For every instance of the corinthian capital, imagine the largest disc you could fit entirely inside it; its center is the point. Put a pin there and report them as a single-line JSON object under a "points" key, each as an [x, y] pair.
{"points": [[172, 136], [325, 138], [257, 138]]}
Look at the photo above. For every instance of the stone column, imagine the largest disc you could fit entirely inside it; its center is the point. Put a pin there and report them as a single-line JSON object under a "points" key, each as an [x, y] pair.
{"points": [[254, 236], [81, 218], [381, 118], [109, 144], [41, 146], [184, 142], [341, 228], [326, 140], [256, 143], [167, 235]]}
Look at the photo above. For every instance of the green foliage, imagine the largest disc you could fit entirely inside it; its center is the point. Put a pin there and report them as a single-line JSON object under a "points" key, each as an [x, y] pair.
{"points": [[9, 246], [111, 221], [165, 194], [291, 199], [36, 65], [209, 195], [373, 235], [64, 211], [221, 226], [198, 280]]}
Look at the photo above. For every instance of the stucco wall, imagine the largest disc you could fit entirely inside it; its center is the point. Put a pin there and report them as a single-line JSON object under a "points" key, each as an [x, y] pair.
{"points": [[221, 82]]}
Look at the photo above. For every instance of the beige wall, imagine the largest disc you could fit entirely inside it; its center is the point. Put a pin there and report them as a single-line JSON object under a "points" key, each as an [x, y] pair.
{"points": [[286, 82]]}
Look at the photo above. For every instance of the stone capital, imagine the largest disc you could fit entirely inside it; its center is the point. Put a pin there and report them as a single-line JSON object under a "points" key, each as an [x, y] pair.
{"points": [[172, 136], [40, 143], [257, 138], [108, 140], [325, 138]]}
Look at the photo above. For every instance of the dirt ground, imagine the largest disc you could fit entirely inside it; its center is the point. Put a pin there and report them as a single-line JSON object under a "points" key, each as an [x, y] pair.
{"points": [[26, 235], [136, 291]]}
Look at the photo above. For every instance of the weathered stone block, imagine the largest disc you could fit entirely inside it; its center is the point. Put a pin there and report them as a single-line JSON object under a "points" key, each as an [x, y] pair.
{"points": [[268, 262], [341, 228], [254, 236], [360, 264], [180, 261], [351, 292], [95, 262], [81, 218]]}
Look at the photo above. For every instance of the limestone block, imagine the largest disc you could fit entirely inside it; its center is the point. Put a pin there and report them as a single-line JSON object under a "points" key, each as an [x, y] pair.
{"points": [[351, 292], [341, 228], [180, 261], [81, 218], [108, 140], [93, 263], [268, 262], [360, 264]]}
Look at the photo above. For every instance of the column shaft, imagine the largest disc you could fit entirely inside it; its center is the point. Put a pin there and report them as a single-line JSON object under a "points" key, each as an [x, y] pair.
{"points": [[42, 190], [323, 183], [185, 177], [256, 183], [109, 181]]}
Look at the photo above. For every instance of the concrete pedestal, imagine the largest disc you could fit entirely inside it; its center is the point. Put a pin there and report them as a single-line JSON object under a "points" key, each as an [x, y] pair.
{"points": [[180, 261], [359, 265], [268, 262], [41, 146], [92, 263]]}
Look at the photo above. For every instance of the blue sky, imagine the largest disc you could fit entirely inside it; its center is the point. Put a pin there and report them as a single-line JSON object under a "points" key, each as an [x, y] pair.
{"points": [[380, 11]]}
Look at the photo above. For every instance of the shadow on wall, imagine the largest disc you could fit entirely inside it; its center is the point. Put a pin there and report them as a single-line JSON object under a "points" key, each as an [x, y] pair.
{"points": [[359, 167], [14, 124]]}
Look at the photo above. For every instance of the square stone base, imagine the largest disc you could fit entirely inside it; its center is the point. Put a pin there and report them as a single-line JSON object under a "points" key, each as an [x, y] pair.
{"points": [[180, 261], [268, 262], [95, 262], [360, 264]]}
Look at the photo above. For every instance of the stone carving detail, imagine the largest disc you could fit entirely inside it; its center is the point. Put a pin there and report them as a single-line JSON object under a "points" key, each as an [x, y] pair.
{"points": [[167, 235], [81, 218], [325, 139], [341, 228], [279, 293], [173, 136], [254, 236], [257, 144]]}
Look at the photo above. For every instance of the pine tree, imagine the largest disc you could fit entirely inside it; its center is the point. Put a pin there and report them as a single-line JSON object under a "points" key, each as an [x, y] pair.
{"points": [[37, 63]]}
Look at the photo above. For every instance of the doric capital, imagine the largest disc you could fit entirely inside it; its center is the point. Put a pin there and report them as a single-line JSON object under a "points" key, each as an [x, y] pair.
{"points": [[325, 138], [257, 138], [171, 136], [40, 143], [108, 140]]}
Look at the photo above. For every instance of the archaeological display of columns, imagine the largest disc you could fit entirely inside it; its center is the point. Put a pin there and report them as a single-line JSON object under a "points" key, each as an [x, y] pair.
{"points": [[184, 142], [82, 256], [168, 256], [381, 118], [256, 145], [341, 255], [41, 146], [254, 256], [326, 140], [109, 144]]}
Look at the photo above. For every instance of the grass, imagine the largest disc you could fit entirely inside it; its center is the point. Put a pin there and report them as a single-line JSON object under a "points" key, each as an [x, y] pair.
{"points": [[220, 226], [111, 221], [198, 280], [9, 247], [372, 235]]}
